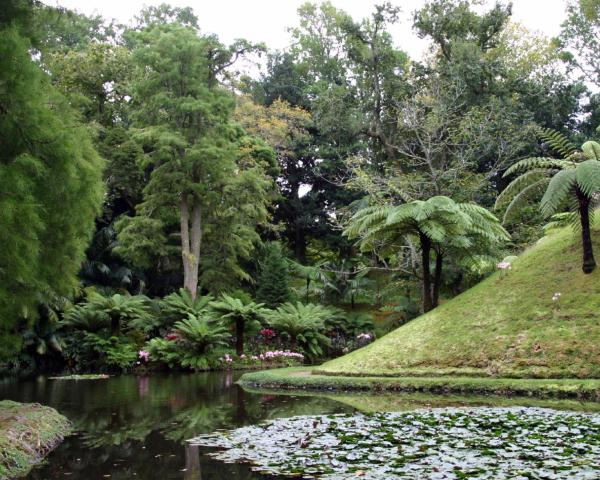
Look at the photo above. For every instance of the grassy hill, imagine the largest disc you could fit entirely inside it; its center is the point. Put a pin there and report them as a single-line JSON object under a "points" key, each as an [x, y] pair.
{"points": [[506, 326]]}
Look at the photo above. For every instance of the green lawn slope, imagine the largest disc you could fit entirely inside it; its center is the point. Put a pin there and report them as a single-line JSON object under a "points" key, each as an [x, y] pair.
{"points": [[506, 326]]}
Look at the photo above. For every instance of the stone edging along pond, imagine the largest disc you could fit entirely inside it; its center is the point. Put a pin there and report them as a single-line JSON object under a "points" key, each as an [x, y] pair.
{"points": [[304, 378], [28, 432]]}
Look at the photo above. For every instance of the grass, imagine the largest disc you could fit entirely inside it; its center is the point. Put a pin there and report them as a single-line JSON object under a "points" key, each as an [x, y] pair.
{"points": [[28, 432], [506, 326], [306, 379], [396, 402]]}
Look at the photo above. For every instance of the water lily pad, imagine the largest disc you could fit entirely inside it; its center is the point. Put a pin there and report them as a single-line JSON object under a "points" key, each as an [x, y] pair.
{"points": [[451, 443]]}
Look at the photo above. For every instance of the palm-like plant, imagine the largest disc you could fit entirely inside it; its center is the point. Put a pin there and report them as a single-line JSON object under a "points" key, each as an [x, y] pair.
{"points": [[304, 323], [178, 305], [570, 181], [113, 311], [438, 225], [203, 334], [242, 314]]}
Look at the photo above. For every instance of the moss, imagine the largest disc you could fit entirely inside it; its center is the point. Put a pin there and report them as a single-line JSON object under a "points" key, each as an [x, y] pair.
{"points": [[28, 432], [305, 378], [506, 326]]}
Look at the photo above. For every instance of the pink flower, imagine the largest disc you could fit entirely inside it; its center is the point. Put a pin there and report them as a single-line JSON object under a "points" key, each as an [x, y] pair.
{"points": [[227, 358], [144, 355], [504, 266]]}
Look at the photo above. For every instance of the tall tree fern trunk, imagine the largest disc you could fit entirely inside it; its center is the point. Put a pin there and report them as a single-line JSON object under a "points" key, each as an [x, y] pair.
{"points": [[239, 336], [437, 281], [425, 257], [589, 263], [191, 239], [115, 325]]}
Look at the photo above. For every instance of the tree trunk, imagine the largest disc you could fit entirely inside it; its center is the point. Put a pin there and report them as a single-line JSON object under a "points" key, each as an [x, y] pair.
{"points": [[300, 244], [307, 287], [191, 239], [425, 256], [437, 281], [239, 337], [293, 343], [115, 325], [589, 263]]}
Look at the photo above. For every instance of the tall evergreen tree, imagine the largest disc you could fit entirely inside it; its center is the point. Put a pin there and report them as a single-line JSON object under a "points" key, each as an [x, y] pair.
{"points": [[273, 281], [50, 184], [205, 173]]}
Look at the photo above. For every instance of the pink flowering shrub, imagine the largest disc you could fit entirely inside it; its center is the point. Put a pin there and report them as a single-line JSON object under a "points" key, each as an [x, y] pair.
{"points": [[269, 358], [227, 359], [144, 355]]}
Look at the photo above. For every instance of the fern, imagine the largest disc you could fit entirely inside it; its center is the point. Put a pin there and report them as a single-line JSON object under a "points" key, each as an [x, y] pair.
{"points": [[558, 142], [559, 187], [591, 150], [588, 175], [524, 197], [518, 184], [544, 163]]}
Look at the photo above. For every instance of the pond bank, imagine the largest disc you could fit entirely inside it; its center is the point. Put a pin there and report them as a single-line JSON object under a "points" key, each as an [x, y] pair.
{"points": [[28, 432], [303, 378]]}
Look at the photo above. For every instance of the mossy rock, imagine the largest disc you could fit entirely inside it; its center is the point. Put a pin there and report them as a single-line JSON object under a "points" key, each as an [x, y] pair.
{"points": [[28, 432]]}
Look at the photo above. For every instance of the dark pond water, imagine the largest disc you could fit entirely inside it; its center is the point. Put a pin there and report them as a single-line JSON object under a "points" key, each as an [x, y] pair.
{"points": [[132, 427]]}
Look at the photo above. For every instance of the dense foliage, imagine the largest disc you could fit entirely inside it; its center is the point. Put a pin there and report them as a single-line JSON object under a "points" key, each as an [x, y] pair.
{"points": [[160, 207]]}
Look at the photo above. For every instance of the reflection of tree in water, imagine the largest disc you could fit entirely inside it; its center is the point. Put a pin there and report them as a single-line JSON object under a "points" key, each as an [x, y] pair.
{"points": [[106, 431], [196, 420], [139, 425], [199, 467]]}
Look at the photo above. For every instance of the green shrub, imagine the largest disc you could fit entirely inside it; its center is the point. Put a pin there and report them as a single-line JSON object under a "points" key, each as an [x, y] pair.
{"points": [[304, 325]]}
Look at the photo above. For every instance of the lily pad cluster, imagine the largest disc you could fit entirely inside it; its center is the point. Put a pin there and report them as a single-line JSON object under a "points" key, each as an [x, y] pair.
{"points": [[450, 443], [86, 376]]}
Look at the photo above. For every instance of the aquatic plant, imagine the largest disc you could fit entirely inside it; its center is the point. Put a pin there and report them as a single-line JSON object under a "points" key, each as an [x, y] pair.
{"points": [[485, 443]]}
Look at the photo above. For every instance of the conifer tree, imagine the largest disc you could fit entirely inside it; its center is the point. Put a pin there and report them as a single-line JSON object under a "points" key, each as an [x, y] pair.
{"points": [[50, 185], [273, 281]]}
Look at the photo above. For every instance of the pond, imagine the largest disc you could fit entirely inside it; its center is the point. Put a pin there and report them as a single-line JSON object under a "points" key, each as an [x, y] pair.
{"points": [[136, 427]]}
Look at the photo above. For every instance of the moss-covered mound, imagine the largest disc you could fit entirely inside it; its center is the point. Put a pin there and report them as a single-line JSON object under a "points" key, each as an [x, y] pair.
{"points": [[28, 432], [509, 325]]}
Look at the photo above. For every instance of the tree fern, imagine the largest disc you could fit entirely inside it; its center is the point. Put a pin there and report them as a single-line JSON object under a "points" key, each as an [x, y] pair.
{"points": [[572, 180], [439, 225]]}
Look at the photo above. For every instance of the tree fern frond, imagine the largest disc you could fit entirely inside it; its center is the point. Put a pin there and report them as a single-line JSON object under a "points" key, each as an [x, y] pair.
{"points": [[558, 142], [535, 190], [557, 191], [591, 150], [545, 163], [588, 176], [433, 230], [518, 184]]}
